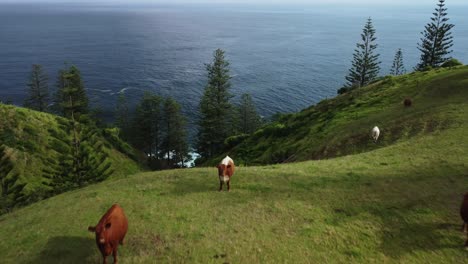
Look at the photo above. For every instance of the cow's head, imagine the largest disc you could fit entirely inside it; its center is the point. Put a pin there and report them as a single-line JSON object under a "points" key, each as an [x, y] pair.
{"points": [[101, 231], [223, 169]]}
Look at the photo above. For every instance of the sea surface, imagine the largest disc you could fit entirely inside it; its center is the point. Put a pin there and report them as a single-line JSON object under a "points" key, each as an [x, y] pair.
{"points": [[287, 58]]}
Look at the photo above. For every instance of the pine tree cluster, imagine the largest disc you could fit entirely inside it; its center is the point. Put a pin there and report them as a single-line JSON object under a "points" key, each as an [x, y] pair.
{"points": [[157, 128]]}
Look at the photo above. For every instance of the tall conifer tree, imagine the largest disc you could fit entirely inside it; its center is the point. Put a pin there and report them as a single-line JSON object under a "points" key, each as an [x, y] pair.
{"points": [[437, 39], [398, 68], [38, 92], [215, 108], [365, 65], [122, 116], [147, 124], [71, 95], [80, 158], [174, 141], [249, 120]]}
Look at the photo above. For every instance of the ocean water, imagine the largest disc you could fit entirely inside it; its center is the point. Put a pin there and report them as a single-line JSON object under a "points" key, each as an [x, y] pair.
{"points": [[286, 58]]}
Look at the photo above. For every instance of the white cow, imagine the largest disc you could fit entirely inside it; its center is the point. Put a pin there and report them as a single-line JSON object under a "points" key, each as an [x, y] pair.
{"points": [[375, 133]]}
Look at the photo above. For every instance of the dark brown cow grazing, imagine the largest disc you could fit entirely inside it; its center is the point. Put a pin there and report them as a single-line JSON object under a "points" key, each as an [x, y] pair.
{"points": [[464, 216], [408, 102], [110, 231], [225, 172]]}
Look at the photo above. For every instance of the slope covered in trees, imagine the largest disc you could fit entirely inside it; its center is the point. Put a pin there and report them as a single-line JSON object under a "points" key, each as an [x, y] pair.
{"points": [[37, 142]]}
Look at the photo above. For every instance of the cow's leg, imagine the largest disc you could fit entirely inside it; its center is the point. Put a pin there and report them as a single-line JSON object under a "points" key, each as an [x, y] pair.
{"points": [[114, 254], [464, 227], [104, 261], [220, 185], [123, 240], [229, 185]]}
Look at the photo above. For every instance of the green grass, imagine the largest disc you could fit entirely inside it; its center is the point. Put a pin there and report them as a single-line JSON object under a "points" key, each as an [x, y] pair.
{"points": [[26, 134], [397, 204]]}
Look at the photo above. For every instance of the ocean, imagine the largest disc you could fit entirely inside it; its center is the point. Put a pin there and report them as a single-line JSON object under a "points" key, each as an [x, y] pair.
{"points": [[287, 58]]}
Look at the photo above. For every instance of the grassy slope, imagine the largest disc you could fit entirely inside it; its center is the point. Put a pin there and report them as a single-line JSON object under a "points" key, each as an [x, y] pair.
{"points": [[397, 204], [25, 132], [341, 126]]}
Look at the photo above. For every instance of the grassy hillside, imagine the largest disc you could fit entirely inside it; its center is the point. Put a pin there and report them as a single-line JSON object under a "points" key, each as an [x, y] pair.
{"points": [[27, 135], [396, 204], [342, 125]]}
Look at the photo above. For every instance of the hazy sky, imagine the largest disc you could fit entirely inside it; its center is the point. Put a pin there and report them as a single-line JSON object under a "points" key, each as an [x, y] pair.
{"points": [[286, 2]]}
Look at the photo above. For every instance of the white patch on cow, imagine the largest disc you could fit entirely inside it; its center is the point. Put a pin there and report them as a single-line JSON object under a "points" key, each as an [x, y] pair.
{"points": [[226, 161], [224, 178]]}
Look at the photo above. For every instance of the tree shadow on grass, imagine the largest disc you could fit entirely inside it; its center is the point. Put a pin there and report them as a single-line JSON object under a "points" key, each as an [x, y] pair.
{"points": [[68, 249]]}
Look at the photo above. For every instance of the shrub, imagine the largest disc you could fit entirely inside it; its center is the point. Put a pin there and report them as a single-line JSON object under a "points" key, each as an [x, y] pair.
{"points": [[343, 90], [451, 63], [233, 141], [427, 68]]}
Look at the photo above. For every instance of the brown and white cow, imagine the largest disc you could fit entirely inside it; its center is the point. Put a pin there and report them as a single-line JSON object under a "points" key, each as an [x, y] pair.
{"points": [[464, 216], [225, 171], [110, 231]]}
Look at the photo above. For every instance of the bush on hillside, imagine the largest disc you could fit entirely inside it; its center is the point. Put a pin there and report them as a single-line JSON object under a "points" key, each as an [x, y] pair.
{"points": [[427, 68], [343, 90], [233, 141], [451, 63]]}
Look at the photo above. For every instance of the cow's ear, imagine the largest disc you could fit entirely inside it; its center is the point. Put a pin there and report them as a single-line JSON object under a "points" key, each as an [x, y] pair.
{"points": [[92, 229], [108, 225]]}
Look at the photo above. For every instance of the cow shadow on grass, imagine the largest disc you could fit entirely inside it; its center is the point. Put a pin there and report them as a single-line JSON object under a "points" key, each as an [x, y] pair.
{"points": [[68, 249]]}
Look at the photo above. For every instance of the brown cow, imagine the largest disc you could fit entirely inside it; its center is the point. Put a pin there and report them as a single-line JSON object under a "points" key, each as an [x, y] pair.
{"points": [[464, 216], [408, 102], [110, 231], [225, 172]]}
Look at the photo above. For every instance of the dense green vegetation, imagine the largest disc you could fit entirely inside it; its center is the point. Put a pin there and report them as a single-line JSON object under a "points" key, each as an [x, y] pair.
{"points": [[157, 128], [11, 192], [30, 138], [341, 126]]}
